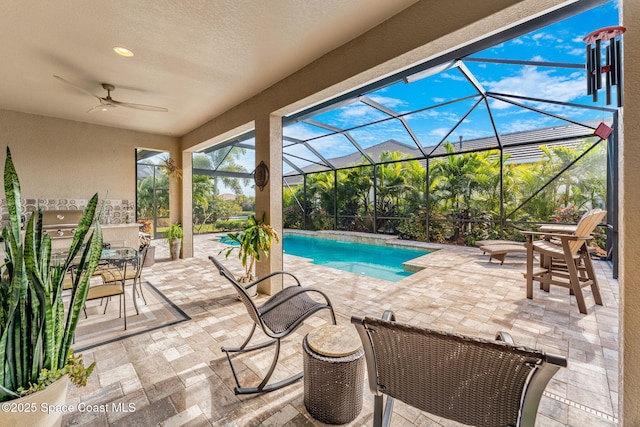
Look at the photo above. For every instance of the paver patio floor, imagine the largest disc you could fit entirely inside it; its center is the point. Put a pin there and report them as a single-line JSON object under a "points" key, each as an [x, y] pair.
{"points": [[178, 376]]}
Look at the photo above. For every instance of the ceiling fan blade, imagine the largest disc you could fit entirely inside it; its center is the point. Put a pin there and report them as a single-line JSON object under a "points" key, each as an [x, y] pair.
{"points": [[138, 106], [81, 89]]}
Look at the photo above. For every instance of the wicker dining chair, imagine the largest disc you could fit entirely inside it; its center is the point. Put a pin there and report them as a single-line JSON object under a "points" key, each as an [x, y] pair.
{"points": [[464, 379], [278, 317]]}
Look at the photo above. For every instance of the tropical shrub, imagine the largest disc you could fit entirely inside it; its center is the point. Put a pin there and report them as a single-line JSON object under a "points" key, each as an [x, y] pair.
{"points": [[465, 194], [256, 239], [414, 227]]}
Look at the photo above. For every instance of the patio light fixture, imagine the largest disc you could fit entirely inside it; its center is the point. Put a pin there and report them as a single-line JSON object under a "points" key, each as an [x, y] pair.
{"points": [[123, 51]]}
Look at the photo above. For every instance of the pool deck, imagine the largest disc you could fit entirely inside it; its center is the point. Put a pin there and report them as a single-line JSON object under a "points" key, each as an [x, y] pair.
{"points": [[178, 376]]}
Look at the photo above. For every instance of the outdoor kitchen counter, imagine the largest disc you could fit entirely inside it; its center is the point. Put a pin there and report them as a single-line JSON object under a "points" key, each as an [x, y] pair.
{"points": [[119, 235], [126, 235]]}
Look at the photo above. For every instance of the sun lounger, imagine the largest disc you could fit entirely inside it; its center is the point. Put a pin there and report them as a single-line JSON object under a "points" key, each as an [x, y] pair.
{"points": [[501, 251], [481, 243]]}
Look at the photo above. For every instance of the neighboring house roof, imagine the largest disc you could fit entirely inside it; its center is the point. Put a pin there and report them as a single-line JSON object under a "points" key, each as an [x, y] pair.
{"points": [[228, 196]]}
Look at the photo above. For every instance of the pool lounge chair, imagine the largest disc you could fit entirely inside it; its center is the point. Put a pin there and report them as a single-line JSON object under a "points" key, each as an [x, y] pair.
{"points": [[500, 251], [481, 243], [469, 380]]}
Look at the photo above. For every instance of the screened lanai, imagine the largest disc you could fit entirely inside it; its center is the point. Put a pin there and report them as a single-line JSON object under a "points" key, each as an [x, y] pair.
{"points": [[477, 143]]}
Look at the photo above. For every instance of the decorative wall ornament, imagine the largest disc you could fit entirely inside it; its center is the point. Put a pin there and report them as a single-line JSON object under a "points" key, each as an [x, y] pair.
{"points": [[261, 175]]}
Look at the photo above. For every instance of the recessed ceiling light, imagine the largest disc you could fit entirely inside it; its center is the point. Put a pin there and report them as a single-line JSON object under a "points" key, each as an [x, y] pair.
{"points": [[123, 51]]}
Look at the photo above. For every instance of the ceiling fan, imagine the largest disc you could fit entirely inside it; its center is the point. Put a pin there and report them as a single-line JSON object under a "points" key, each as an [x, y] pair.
{"points": [[108, 102]]}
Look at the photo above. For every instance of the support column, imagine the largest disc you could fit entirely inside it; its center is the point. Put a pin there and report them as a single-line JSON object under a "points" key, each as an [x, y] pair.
{"points": [[187, 205], [269, 199]]}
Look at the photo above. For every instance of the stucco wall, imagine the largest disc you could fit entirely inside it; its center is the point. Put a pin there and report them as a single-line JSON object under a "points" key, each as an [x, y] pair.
{"points": [[63, 159]]}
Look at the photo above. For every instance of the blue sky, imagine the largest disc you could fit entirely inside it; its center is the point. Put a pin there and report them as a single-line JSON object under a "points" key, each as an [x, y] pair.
{"points": [[561, 42]]}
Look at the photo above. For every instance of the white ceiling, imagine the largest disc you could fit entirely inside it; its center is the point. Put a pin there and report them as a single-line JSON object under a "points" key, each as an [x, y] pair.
{"points": [[197, 58]]}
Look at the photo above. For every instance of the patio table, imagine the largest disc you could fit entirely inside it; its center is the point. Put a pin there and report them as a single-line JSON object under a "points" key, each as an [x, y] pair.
{"points": [[121, 258]]}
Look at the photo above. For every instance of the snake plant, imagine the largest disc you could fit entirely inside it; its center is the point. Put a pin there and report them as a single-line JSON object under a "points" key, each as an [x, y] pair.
{"points": [[36, 330]]}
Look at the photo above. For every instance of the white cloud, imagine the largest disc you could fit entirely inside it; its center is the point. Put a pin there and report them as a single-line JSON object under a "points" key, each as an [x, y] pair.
{"points": [[440, 132], [576, 52], [438, 100], [358, 112], [539, 37], [538, 84], [523, 125], [355, 111], [388, 101], [453, 77], [436, 115], [302, 131]]}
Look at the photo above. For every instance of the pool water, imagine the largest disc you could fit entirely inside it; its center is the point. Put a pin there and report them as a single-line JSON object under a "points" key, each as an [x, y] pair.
{"points": [[381, 262], [227, 241]]}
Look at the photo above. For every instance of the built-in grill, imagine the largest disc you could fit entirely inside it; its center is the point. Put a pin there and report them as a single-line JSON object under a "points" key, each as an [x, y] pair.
{"points": [[60, 224]]}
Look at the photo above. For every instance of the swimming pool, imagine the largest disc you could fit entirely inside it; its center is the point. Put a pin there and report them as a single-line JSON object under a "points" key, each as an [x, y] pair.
{"points": [[381, 262]]}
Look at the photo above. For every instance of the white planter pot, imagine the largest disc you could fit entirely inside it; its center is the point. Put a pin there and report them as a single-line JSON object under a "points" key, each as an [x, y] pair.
{"points": [[33, 410], [174, 248]]}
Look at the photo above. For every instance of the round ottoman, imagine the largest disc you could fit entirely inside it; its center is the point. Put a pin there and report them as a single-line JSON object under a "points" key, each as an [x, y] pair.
{"points": [[333, 374]]}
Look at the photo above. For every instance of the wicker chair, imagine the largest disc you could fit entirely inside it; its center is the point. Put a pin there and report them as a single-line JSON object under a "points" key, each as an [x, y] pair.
{"points": [[463, 379], [278, 317]]}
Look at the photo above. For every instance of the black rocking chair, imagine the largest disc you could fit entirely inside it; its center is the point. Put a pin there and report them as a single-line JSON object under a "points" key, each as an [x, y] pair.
{"points": [[278, 317]]}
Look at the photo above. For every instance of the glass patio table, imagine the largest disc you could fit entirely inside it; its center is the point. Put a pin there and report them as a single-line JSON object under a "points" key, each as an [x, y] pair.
{"points": [[120, 258]]}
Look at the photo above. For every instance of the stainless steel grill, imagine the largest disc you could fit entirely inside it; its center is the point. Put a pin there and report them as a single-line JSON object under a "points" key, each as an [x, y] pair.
{"points": [[60, 224]]}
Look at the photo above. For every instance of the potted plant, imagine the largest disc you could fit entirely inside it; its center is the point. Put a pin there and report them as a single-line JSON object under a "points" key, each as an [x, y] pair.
{"points": [[257, 238], [174, 237], [36, 330]]}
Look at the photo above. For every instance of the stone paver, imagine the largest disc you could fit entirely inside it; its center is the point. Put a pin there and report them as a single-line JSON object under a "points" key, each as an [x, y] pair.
{"points": [[178, 376]]}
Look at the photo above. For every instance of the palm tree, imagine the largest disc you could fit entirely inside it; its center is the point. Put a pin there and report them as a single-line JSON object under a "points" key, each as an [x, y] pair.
{"points": [[321, 190], [224, 159]]}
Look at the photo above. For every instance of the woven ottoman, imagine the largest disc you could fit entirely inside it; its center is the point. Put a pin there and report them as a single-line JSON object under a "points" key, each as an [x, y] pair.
{"points": [[333, 374]]}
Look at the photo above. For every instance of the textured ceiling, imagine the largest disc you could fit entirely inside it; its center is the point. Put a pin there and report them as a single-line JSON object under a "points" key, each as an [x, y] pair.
{"points": [[196, 58]]}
